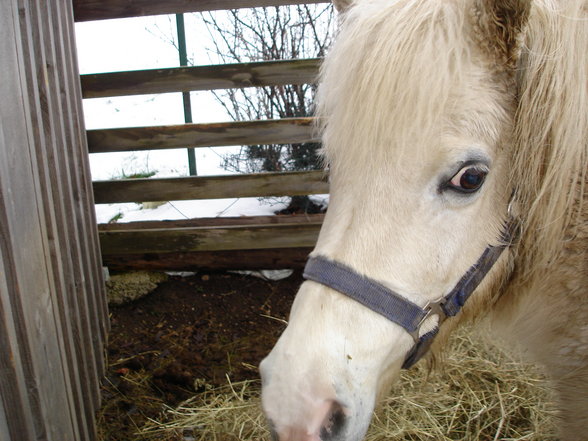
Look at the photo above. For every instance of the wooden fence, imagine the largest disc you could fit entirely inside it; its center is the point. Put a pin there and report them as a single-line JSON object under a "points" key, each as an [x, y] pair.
{"points": [[257, 242], [53, 317]]}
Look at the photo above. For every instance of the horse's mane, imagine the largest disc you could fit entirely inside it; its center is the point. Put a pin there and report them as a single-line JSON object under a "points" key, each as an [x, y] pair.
{"points": [[551, 132], [549, 155]]}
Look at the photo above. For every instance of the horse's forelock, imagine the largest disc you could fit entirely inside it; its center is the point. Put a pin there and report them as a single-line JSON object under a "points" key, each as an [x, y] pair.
{"points": [[391, 69]]}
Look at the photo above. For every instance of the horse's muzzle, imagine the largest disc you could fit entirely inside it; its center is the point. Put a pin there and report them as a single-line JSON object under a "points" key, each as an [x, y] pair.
{"points": [[332, 427]]}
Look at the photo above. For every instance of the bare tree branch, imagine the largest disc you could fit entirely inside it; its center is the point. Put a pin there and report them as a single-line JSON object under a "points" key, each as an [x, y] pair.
{"points": [[276, 33]]}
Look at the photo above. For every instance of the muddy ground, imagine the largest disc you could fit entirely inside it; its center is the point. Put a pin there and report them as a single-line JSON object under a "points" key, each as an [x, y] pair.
{"points": [[190, 333]]}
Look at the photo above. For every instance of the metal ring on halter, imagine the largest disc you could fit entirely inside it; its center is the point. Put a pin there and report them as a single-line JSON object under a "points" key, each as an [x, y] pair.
{"points": [[433, 308]]}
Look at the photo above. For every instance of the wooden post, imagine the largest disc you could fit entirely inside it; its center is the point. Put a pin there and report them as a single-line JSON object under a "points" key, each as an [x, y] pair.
{"points": [[53, 318]]}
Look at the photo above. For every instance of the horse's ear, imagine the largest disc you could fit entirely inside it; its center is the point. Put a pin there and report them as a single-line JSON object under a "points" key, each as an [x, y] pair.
{"points": [[342, 5], [500, 26]]}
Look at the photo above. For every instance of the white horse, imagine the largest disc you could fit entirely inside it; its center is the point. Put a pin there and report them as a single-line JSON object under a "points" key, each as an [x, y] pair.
{"points": [[456, 136]]}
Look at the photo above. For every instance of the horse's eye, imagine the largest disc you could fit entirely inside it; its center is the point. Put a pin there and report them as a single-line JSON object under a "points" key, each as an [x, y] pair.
{"points": [[469, 179]]}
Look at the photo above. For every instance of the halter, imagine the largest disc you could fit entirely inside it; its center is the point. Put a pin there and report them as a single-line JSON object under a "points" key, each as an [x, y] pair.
{"points": [[398, 309]]}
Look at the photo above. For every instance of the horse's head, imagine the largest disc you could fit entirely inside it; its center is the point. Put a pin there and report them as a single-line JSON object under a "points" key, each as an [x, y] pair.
{"points": [[418, 100]]}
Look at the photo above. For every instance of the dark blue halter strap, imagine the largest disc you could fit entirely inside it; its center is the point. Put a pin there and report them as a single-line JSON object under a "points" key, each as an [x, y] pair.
{"points": [[366, 291], [396, 308]]}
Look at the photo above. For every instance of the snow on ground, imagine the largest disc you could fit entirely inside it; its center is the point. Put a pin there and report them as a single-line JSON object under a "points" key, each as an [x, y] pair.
{"points": [[147, 43], [188, 209], [173, 210]]}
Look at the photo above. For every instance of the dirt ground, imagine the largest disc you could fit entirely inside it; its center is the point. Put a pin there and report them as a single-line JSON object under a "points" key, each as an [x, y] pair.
{"points": [[189, 333]]}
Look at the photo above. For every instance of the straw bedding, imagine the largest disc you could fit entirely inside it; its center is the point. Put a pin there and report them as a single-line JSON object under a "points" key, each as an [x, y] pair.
{"points": [[477, 393]]}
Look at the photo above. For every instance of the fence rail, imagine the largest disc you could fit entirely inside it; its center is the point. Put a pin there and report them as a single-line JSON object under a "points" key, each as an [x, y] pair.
{"points": [[269, 258], [166, 240], [282, 131], [211, 187], [85, 10], [210, 238], [212, 243], [185, 79]]}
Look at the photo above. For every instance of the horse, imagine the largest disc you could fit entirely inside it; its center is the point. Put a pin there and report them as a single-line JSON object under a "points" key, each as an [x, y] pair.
{"points": [[455, 136]]}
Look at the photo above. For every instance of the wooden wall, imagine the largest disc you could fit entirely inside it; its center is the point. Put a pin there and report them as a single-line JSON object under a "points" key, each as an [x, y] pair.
{"points": [[260, 242], [53, 317]]}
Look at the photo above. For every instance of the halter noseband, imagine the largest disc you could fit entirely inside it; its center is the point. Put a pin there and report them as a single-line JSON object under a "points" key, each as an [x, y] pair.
{"points": [[396, 308]]}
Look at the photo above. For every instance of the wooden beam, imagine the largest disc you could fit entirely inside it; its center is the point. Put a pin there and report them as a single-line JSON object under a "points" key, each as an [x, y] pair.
{"points": [[250, 259], [282, 131], [179, 240], [213, 222], [85, 10], [278, 258], [52, 296], [211, 187], [186, 79]]}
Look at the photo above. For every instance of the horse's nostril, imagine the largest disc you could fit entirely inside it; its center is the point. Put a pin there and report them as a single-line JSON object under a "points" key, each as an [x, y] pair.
{"points": [[334, 423]]}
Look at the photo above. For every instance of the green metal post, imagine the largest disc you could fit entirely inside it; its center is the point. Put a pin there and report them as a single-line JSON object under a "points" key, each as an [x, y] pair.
{"points": [[185, 95]]}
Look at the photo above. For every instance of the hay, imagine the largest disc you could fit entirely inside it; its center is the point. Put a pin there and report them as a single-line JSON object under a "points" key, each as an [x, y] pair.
{"points": [[229, 413], [479, 393]]}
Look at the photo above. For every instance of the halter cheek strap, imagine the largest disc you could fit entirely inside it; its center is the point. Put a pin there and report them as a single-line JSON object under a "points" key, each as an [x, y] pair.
{"points": [[398, 309]]}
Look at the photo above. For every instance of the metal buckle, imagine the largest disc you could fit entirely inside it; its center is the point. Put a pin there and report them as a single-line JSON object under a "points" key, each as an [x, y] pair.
{"points": [[421, 347], [434, 307]]}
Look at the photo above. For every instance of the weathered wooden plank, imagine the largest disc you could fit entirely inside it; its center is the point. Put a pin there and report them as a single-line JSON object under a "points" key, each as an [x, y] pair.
{"points": [[281, 131], [95, 287], [186, 79], [213, 222], [74, 315], [55, 171], [4, 415], [249, 237], [30, 303], [211, 187], [35, 313], [18, 414], [268, 258], [86, 10], [278, 258], [47, 355], [82, 187], [181, 260], [85, 308]]}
